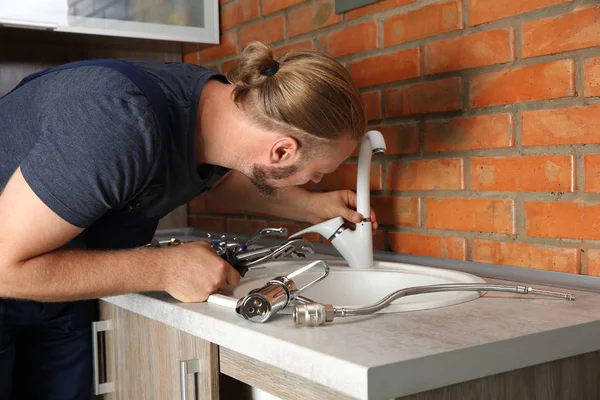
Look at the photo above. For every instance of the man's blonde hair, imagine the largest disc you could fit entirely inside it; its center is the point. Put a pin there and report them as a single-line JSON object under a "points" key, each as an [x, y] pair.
{"points": [[305, 93]]}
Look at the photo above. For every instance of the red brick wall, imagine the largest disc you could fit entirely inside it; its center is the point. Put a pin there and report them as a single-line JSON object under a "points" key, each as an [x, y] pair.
{"points": [[489, 114]]}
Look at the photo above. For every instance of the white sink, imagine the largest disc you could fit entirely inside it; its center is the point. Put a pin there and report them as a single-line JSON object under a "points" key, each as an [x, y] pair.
{"points": [[350, 287]]}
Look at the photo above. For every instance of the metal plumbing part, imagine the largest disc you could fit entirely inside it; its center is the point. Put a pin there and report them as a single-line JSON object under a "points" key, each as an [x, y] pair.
{"points": [[261, 304], [315, 314]]}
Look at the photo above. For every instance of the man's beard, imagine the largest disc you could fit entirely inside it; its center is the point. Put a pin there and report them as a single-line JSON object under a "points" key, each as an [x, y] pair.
{"points": [[262, 175]]}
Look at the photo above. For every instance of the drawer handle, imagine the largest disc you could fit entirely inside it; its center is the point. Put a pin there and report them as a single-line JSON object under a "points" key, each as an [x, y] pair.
{"points": [[100, 327], [187, 367]]}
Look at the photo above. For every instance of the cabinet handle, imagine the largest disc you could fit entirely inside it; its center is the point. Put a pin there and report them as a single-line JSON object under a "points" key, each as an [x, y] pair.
{"points": [[187, 367], [100, 327]]}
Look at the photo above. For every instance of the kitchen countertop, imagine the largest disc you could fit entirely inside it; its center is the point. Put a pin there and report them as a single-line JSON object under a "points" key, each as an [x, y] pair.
{"points": [[392, 355]]}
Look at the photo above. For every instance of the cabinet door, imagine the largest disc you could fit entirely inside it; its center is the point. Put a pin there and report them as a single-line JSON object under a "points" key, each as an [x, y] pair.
{"points": [[150, 360]]}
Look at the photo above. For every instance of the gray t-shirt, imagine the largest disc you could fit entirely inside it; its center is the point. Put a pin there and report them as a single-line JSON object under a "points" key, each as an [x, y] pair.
{"points": [[87, 141]]}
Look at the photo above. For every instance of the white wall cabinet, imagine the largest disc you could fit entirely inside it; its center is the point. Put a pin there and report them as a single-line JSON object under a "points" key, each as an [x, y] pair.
{"points": [[195, 21]]}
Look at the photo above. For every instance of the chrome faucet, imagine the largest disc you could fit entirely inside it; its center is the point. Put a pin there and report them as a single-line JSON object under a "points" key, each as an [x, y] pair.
{"points": [[356, 246]]}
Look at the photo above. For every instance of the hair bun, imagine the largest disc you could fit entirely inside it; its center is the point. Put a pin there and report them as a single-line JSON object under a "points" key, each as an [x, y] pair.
{"points": [[271, 70], [305, 93], [253, 67]]}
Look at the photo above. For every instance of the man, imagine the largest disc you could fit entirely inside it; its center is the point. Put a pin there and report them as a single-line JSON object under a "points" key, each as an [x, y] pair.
{"points": [[94, 154]]}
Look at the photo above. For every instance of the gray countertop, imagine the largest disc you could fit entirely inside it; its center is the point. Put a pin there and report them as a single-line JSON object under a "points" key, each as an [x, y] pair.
{"points": [[391, 355]]}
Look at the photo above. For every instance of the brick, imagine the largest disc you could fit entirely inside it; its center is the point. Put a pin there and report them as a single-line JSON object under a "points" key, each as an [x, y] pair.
{"points": [[283, 50], [592, 173], [190, 53], [191, 58], [401, 65], [591, 80], [573, 125], [239, 12], [526, 255], [427, 21], [593, 261], [293, 228], [215, 207], [480, 215], [227, 47], [398, 211], [477, 50], [379, 240], [481, 11], [350, 40], [190, 47], [429, 245], [443, 174], [267, 31], [576, 30], [372, 104], [375, 8], [258, 214], [524, 174], [536, 82], [575, 220], [346, 175], [469, 133], [212, 224], [272, 6], [197, 205], [224, 1], [245, 226], [426, 97], [227, 66], [312, 17], [400, 138]]}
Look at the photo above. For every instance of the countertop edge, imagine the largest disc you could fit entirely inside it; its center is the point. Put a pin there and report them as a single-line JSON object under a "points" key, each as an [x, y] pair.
{"points": [[449, 368]]}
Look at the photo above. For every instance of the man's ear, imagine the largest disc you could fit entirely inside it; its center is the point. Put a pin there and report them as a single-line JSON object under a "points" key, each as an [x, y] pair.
{"points": [[284, 151]]}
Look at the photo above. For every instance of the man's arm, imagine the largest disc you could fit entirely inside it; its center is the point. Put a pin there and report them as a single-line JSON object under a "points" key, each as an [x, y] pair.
{"points": [[294, 203], [31, 268]]}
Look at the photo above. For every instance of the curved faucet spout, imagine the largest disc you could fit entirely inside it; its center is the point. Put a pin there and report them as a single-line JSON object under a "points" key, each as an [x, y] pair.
{"points": [[356, 246], [372, 143]]}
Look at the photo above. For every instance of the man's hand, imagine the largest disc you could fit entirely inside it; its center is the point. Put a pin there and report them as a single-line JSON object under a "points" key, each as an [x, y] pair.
{"points": [[340, 203], [196, 271]]}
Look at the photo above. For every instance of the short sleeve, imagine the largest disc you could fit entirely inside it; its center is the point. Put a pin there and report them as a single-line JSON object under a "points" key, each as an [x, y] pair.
{"points": [[94, 152]]}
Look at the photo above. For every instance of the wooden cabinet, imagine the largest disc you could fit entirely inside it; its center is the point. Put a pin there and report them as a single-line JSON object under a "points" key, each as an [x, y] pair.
{"points": [[138, 358]]}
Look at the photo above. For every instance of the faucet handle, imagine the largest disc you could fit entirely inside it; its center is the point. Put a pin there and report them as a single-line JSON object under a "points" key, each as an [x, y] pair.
{"points": [[266, 232], [306, 268], [328, 229], [296, 248]]}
